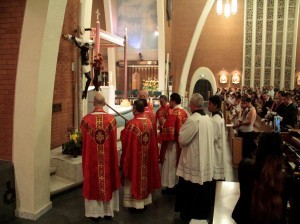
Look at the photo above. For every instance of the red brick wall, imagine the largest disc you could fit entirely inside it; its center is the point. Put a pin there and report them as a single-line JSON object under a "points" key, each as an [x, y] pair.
{"points": [[65, 78], [220, 44], [11, 21]]}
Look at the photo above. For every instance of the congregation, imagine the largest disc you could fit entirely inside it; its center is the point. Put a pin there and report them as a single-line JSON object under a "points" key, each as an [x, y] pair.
{"points": [[268, 102], [265, 175]]}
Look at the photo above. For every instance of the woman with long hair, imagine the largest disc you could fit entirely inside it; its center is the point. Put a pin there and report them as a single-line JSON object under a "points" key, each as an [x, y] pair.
{"points": [[264, 184]]}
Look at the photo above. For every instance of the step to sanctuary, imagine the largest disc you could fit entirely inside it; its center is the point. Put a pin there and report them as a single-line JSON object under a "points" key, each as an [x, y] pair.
{"points": [[66, 171]]}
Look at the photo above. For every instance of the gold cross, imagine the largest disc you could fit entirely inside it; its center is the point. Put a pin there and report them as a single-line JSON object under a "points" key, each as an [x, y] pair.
{"points": [[99, 137], [145, 138]]}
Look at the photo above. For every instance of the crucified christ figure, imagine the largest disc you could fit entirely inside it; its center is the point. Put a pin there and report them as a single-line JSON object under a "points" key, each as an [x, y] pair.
{"points": [[85, 59]]}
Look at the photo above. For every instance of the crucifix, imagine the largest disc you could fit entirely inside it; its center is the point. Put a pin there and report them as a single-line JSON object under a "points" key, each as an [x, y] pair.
{"points": [[85, 47], [97, 42]]}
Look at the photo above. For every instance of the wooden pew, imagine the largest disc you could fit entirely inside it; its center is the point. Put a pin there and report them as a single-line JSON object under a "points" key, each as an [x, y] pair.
{"points": [[292, 153], [236, 142], [260, 126]]}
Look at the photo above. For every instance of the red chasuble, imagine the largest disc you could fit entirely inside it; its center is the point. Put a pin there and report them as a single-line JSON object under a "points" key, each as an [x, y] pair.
{"points": [[150, 106], [99, 156], [151, 116], [162, 115], [139, 159], [170, 130]]}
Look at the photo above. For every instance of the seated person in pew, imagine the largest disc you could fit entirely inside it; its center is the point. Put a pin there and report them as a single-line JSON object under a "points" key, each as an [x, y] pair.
{"points": [[265, 184]]}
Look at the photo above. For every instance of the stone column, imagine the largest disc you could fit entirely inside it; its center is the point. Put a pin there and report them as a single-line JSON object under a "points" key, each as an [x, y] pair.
{"points": [[36, 70]]}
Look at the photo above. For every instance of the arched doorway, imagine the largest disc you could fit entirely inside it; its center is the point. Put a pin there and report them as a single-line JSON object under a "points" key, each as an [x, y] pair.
{"points": [[203, 87], [203, 80]]}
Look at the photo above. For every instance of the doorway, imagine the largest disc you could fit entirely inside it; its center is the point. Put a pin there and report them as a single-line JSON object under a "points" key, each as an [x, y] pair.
{"points": [[203, 87], [203, 80]]}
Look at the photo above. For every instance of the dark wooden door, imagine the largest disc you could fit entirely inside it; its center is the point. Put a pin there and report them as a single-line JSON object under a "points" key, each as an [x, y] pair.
{"points": [[203, 87]]}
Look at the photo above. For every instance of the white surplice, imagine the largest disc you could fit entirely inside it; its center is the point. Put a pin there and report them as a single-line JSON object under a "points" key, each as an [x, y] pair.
{"points": [[130, 202], [168, 170], [220, 147], [197, 141], [94, 208]]}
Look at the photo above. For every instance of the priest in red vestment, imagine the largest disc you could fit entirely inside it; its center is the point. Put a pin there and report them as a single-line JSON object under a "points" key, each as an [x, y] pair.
{"points": [[143, 94], [139, 160], [101, 178], [149, 113], [162, 113], [170, 149]]}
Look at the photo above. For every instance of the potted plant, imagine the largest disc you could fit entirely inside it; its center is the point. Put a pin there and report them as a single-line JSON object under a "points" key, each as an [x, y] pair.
{"points": [[74, 145], [150, 85]]}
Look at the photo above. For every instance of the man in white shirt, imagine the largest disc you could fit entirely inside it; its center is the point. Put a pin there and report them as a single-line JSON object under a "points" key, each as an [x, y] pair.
{"points": [[195, 167]]}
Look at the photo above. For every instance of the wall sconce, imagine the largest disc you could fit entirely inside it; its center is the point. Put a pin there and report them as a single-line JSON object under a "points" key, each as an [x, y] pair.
{"points": [[223, 77], [235, 79]]}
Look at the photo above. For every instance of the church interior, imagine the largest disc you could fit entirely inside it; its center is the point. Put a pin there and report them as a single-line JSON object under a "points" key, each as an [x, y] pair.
{"points": [[50, 47]]}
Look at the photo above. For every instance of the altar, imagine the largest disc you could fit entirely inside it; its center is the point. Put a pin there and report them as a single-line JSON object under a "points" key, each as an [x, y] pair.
{"points": [[109, 94]]}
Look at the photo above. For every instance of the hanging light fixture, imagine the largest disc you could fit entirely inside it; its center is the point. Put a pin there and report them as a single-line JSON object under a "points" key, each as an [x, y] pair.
{"points": [[219, 7], [228, 8], [234, 7]]}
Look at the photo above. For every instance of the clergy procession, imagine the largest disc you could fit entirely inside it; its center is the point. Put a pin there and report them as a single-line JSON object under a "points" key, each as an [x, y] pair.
{"points": [[170, 150]]}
